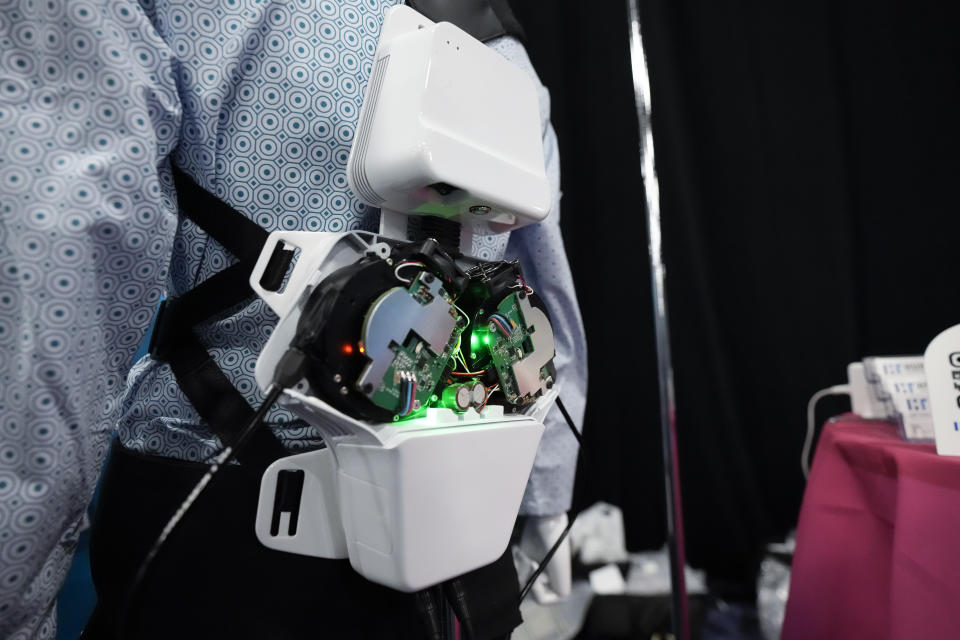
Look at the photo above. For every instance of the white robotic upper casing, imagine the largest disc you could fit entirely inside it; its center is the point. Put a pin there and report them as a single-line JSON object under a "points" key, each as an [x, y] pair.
{"points": [[448, 128]]}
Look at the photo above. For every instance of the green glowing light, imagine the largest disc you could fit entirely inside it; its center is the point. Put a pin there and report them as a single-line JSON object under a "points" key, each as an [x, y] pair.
{"points": [[486, 339], [473, 341], [419, 413]]}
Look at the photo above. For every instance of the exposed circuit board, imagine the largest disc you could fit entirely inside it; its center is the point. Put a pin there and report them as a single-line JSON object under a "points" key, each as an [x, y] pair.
{"points": [[420, 356], [511, 342], [390, 336]]}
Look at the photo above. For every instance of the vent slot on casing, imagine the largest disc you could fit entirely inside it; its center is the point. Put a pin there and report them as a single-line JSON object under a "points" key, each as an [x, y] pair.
{"points": [[362, 181]]}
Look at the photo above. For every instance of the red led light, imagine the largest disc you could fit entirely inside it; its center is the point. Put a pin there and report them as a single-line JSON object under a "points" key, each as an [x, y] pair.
{"points": [[348, 349]]}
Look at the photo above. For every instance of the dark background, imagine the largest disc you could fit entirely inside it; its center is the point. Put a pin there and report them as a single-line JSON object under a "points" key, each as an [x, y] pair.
{"points": [[807, 155]]}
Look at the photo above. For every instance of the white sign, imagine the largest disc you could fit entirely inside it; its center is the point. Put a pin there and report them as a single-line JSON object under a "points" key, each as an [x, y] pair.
{"points": [[942, 365]]}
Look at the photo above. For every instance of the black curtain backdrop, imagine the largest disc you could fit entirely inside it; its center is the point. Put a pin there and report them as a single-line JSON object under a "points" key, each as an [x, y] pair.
{"points": [[807, 155]]}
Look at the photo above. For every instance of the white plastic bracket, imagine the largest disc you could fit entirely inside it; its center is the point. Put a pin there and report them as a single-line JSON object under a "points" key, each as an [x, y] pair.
{"points": [[314, 247], [315, 528], [393, 224]]}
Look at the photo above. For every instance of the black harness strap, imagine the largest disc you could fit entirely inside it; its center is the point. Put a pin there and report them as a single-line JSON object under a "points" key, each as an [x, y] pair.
{"points": [[240, 235], [209, 390]]}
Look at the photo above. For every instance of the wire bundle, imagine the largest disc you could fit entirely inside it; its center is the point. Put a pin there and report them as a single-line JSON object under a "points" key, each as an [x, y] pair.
{"points": [[408, 393], [522, 284], [490, 391], [501, 323]]}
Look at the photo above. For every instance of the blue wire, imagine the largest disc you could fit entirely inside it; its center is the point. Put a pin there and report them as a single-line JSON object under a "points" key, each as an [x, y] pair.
{"points": [[408, 403], [503, 322]]}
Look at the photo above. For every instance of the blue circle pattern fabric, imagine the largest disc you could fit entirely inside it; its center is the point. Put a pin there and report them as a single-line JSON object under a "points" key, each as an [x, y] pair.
{"points": [[88, 111], [258, 102]]}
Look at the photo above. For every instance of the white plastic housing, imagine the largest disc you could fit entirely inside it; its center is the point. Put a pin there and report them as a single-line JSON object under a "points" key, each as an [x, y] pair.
{"points": [[410, 503], [435, 501], [443, 111]]}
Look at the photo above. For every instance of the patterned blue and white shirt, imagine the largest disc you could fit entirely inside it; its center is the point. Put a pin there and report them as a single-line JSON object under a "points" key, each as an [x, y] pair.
{"points": [[258, 102]]}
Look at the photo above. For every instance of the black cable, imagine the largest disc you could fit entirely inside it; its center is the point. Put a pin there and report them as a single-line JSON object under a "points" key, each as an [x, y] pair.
{"points": [[289, 371], [573, 428], [556, 545], [546, 560]]}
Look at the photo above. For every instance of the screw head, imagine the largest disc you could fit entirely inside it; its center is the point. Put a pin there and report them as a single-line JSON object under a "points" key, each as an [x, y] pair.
{"points": [[480, 209], [344, 391], [337, 377]]}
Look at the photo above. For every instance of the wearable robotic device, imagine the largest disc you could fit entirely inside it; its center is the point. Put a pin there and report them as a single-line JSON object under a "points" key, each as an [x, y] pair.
{"points": [[427, 371]]}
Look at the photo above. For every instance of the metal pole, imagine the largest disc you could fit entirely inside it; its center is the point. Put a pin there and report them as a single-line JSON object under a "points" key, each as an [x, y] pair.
{"points": [[668, 424]]}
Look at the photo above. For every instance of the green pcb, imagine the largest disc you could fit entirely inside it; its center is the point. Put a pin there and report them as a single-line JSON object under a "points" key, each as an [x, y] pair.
{"points": [[507, 350], [414, 360]]}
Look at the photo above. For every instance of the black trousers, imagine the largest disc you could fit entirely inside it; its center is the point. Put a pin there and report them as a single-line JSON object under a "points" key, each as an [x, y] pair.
{"points": [[213, 578]]}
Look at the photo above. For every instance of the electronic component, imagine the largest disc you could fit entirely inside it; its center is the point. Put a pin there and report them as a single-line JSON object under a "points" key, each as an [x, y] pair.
{"points": [[478, 394], [458, 397], [510, 336], [385, 334], [408, 336], [521, 347]]}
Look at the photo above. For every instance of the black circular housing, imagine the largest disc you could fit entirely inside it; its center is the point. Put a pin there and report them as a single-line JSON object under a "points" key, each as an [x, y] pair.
{"points": [[329, 334]]}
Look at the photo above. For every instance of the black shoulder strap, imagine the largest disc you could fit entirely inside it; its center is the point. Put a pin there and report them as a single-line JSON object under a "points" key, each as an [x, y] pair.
{"points": [[209, 390], [239, 235], [483, 19]]}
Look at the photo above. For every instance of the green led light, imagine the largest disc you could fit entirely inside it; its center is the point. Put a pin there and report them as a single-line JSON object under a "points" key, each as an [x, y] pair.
{"points": [[486, 339], [419, 413], [473, 341]]}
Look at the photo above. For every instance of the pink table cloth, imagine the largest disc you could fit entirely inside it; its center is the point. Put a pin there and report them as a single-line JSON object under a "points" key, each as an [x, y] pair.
{"points": [[878, 543]]}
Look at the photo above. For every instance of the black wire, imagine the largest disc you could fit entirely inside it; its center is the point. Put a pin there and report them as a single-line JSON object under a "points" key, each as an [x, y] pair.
{"points": [[224, 458], [573, 428], [546, 560], [556, 545]]}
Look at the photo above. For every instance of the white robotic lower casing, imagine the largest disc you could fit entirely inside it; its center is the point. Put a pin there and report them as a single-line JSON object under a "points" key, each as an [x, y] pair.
{"points": [[436, 502], [411, 503]]}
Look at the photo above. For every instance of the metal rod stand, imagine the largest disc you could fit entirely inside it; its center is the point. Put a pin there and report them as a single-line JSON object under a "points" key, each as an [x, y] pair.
{"points": [[668, 424]]}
